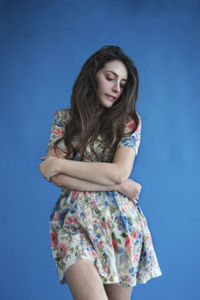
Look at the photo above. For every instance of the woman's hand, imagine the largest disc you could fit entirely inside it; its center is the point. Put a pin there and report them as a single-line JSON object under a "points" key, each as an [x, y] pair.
{"points": [[50, 166], [130, 189]]}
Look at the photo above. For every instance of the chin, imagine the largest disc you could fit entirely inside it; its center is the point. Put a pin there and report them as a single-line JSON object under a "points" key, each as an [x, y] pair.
{"points": [[107, 104]]}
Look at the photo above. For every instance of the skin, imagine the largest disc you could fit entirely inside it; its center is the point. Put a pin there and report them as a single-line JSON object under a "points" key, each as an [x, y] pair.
{"points": [[113, 173], [129, 188], [99, 177], [78, 277], [111, 80]]}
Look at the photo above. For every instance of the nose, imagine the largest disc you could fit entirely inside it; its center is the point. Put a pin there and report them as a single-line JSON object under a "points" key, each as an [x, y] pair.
{"points": [[116, 87]]}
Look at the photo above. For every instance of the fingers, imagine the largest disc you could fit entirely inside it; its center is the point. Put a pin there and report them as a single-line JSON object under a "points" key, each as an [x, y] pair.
{"points": [[139, 187], [135, 199], [46, 167]]}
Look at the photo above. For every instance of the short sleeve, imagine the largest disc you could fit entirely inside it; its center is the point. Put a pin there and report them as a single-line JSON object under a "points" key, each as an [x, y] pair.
{"points": [[133, 140], [61, 117]]}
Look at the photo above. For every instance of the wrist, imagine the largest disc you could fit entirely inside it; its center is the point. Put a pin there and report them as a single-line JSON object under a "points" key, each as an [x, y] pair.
{"points": [[119, 188]]}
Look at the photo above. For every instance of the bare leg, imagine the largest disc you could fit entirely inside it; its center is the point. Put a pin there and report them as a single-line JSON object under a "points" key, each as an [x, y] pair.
{"points": [[118, 292], [84, 281]]}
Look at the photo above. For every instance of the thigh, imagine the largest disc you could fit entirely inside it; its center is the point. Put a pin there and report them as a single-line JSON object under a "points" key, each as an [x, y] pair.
{"points": [[84, 281], [118, 292]]}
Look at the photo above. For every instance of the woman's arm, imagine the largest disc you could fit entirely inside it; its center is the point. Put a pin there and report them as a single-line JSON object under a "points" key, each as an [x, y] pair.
{"points": [[129, 188], [65, 181], [97, 172]]}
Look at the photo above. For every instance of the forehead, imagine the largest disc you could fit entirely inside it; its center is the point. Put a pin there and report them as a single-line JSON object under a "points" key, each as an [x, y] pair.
{"points": [[117, 67]]}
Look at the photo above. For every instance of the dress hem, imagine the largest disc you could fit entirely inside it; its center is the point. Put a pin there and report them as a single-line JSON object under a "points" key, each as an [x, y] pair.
{"points": [[153, 274]]}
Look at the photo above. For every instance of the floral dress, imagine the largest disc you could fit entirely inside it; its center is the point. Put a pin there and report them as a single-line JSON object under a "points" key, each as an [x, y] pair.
{"points": [[104, 227]]}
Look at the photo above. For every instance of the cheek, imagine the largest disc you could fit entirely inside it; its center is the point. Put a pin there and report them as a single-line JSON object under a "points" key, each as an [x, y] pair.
{"points": [[104, 85]]}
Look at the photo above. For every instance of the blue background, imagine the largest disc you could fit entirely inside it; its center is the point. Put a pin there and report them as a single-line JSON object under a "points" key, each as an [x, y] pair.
{"points": [[43, 45]]}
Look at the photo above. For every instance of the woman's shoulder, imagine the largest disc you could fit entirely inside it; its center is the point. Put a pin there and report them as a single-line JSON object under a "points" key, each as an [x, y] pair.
{"points": [[62, 116], [130, 125], [65, 112]]}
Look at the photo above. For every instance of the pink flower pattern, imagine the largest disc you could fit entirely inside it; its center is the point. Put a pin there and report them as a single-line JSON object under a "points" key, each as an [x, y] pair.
{"points": [[62, 249]]}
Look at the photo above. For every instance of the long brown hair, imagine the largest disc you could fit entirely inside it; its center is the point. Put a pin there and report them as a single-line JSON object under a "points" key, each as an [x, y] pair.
{"points": [[86, 122]]}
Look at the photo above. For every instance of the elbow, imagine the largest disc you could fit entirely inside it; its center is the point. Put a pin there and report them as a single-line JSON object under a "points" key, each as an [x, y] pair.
{"points": [[121, 175]]}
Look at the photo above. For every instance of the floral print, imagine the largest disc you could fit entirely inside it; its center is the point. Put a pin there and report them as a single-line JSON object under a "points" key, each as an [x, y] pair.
{"points": [[104, 227]]}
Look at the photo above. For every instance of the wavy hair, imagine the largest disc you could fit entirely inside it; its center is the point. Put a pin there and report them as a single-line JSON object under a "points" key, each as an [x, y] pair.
{"points": [[86, 122]]}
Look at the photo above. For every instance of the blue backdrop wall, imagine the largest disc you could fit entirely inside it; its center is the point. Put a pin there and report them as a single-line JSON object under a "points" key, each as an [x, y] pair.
{"points": [[43, 45]]}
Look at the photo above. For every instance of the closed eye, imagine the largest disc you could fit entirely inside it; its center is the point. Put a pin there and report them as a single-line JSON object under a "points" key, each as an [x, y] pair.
{"points": [[109, 78]]}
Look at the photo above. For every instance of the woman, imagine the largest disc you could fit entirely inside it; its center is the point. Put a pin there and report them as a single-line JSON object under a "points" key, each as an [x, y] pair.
{"points": [[100, 239]]}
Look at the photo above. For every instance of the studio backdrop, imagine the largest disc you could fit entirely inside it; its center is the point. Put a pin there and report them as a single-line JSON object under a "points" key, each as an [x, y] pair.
{"points": [[43, 45]]}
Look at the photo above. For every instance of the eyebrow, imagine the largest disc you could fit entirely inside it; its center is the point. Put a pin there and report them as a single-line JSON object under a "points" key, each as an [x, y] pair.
{"points": [[115, 74]]}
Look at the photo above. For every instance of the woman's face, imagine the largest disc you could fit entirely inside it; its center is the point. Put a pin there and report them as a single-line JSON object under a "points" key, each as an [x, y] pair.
{"points": [[110, 82]]}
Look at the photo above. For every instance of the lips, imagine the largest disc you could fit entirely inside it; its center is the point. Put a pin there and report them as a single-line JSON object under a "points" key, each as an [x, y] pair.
{"points": [[110, 97]]}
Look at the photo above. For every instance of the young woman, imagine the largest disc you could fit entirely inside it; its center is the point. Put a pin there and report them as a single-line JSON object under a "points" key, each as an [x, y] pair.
{"points": [[100, 239]]}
